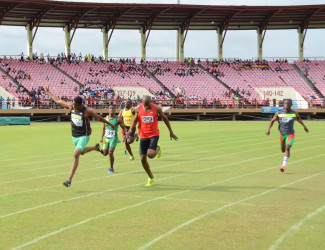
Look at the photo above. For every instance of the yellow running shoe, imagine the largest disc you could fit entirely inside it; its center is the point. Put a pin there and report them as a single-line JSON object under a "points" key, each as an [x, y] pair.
{"points": [[159, 151], [131, 158], [150, 181]]}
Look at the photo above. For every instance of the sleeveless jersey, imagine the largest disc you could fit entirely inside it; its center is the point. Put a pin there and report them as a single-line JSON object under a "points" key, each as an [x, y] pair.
{"points": [[109, 131], [128, 117], [148, 122], [80, 126], [286, 121]]}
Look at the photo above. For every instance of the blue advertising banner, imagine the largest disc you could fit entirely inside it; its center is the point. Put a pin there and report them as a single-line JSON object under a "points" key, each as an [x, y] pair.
{"points": [[270, 110]]}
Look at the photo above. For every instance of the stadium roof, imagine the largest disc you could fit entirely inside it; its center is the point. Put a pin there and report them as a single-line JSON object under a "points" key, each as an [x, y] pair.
{"points": [[47, 13]]}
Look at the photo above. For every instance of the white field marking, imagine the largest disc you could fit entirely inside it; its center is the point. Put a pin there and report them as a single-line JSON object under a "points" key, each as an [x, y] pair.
{"points": [[205, 201], [177, 149], [97, 178], [295, 228], [36, 156], [159, 198], [171, 146], [195, 219], [173, 164], [204, 145], [133, 185]]}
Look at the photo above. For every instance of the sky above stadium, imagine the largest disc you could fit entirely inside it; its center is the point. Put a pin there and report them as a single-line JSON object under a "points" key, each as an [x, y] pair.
{"points": [[162, 44]]}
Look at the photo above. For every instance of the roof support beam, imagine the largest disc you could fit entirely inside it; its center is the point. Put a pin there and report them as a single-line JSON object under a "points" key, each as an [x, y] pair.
{"points": [[148, 25], [73, 24], [304, 27], [222, 31], [187, 23], [111, 26], [36, 20], [263, 27], [6, 10]]}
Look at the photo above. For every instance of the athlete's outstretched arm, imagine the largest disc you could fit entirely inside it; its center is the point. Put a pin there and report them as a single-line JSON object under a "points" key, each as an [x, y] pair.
{"points": [[275, 118], [57, 99], [302, 123], [166, 121], [98, 117]]}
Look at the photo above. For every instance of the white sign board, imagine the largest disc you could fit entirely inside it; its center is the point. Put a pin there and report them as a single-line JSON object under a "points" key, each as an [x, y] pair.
{"points": [[282, 93], [131, 92]]}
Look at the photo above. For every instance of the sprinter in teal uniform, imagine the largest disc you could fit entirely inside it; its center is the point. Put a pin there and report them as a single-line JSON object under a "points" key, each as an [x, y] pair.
{"points": [[110, 136]]}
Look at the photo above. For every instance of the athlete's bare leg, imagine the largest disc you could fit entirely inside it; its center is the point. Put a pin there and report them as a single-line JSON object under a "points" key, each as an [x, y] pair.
{"points": [[129, 141], [111, 157], [77, 153], [152, 153], [89, 149], [146, 166], [287, 151]]}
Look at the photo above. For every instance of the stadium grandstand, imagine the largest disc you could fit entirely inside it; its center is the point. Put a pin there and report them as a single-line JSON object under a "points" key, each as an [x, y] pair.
{"points": [[182, 83], [199, 149]]}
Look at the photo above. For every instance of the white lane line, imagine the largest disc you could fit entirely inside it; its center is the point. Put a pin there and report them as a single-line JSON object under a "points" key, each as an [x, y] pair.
{"points": [[159, 198], [205, 201], [204, 145], [133, 185], [98, 178], [87, 169], [187, 141], [124, 187], [295, 228], [71, 153], [195, 219]]}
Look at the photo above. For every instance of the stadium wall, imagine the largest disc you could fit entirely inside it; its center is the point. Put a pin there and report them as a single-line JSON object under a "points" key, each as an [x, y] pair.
{"points": [[173, 114]]}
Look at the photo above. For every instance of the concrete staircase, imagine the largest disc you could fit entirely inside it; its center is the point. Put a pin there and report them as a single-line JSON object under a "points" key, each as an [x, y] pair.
{"points": [[156, 80], [67, 75], [15, 81], [313, 87], [217, 79]]}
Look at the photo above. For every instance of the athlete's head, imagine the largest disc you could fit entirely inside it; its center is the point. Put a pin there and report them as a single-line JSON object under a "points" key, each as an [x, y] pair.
{"points": [[146, 100], [111, 109], [128, 104], [287, 104], [77, 103]]}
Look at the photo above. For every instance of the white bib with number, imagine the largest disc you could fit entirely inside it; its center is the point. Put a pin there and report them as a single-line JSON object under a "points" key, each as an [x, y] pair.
{"points": [[77, 120], [110, 133]]}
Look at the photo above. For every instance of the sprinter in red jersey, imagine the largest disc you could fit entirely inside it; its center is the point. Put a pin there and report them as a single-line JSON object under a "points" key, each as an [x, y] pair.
{"points": [[146, 114]]}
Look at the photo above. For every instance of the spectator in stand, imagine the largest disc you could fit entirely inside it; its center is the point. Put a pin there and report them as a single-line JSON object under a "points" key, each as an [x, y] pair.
{"points": [[13, 102], [1, 101], [8, 102]]}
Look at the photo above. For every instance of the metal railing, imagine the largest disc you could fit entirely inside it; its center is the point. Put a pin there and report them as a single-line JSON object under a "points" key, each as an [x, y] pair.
{"points": [[175, 104]]}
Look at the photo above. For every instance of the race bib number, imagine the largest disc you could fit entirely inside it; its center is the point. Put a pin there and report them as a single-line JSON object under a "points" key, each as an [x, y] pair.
{"points": [[286, 119], [77, 120], [147, 119], [110, 133], [127, 120]]}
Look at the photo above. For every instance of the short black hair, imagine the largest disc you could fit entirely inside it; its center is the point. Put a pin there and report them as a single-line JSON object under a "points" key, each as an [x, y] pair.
{"points": [[289, 100], [77, 100]]}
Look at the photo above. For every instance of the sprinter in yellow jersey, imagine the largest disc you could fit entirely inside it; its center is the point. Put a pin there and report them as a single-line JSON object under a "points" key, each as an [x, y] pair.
{"points": [[127, 114]]}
